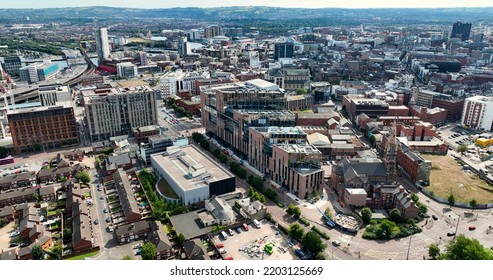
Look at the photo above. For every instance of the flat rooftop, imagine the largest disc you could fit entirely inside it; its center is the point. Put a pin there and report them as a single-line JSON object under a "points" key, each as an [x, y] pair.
{"points": [[300, 149], [182, 162]]}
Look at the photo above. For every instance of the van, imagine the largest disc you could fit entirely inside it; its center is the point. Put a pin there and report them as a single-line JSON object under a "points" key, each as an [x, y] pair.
{"points": [[224, 235], [256, 223]]}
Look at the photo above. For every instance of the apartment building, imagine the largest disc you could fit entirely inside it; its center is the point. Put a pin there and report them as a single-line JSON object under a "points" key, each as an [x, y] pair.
{"points": [[478, 112], [116, 111]]}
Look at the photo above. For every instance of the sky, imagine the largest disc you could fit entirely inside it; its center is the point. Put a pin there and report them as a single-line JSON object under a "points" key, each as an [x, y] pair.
{"points": [[149, 4]]}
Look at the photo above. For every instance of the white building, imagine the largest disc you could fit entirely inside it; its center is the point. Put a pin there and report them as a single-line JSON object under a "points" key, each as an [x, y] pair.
{"points": [[192, 176], [172, 82], [49, 95], [126, 70], [102, 44], [478, 112], [112, 112]]}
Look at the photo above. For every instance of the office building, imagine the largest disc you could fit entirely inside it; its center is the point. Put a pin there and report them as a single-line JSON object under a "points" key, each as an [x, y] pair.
{"points": [[102, 44], [212, 31], [49, 95], [188, 176], [37, 72], [461, 30], [11, 64], [116, 111], [173, 82], [143, 58], [478, 112], [43, 128], [126, 70], [355, 105], [283, 50]]}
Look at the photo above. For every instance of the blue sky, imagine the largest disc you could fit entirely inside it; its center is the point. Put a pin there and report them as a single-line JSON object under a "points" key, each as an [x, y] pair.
{"points": [[225, 3]]}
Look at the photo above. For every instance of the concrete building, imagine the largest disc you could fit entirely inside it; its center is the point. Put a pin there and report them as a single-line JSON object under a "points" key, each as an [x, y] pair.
{"points": [[188, 175], [116, 111], [102, 44], [37, 72], [11, 64], [43, 128], [432, 99], [461, 30], [173, 82], [283, 50], [478, 112], [49, 95], [126, 70], [355, 105]]}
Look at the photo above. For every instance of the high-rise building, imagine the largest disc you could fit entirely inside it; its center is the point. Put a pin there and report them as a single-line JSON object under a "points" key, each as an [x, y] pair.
{"points": [[283, 50], [143, 58], [126, 70], [212, 31], [11, 64], [461, 30], [37, 72], [49, 95], [102, 44], [43, 128], [478, 112], [116, 111]]}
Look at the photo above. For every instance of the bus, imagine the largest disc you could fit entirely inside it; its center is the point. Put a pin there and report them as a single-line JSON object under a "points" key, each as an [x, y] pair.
{"points": [[7, 160]]}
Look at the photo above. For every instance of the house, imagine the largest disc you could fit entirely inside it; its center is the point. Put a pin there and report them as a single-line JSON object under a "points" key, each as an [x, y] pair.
{"points": [[53, 174], [74, 155], [19, 180], [7, 214], [9, 255], [82, 236], [252, 209], [157, 236], [48, 193], [195, 250], [17, 196], [128, 201], [133, 231], [390, 196], [118, 161], [220, 210]]}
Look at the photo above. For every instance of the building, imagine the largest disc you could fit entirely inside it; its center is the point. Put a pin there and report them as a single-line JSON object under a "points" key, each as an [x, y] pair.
{"points": [[158, 144], [413, 165], [436, 116], [283, 50], [126, 70], [20, 180], [432, 99], [143, 58], [37, 72], [218, 212], [461, 30], [141, 134], [102, 44], [391, 196], [17, 196], [11, 64], [296, 168], [49, 95], [212, 31], [355, 105], [478, 112], [189, 176], [91, 80], [116, 111], [43, 128], [131, 210], [173, 82]]}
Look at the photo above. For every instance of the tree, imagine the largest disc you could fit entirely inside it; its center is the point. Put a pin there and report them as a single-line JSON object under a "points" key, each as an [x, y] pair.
{"points": [[414, 197], [296, 231], [216, 153], [148, 251], [204, 144], [434, 252], [37, 253], [83, 176], [320, 256], [372, 139], [127, 258], [313, 243], [462, 148], [366, 215], [473, 203], [451, 199], [301, 91], [388, 229], [223, 158], [3, 152], [463, 248], [181, 239], [395, 215]]}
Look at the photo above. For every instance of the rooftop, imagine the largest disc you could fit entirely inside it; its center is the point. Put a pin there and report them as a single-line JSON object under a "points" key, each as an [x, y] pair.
{"points": [[299, 149]]}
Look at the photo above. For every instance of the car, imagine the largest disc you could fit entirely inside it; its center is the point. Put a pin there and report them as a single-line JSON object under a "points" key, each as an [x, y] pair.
{"points": [[223, 251], [96, 221], [229, 258], [138, 246], [102, 197], [434, 217], [24, 244], [245, 227], [450, 233], [105, 210], [336, 243], [472, 228], [108, 220], [231, 232], [13, 244], [238, 229], [138, 252], [14, 233], [219, 246], [110, 229]]}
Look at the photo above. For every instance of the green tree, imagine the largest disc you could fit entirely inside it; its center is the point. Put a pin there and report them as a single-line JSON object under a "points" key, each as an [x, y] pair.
{"points": [[301, 91], [57, 251], [37, 253], [463, 248], [366, 215], [462, 148], [127, 258], [414, 197], [451, 199], [83, 176], [434, 251], [296, 231], [148, 251], [395, 215], [313, 243], [205, 144], [3, 152], [216, 153], [181, 239], [372, 139], [320, 256], [473, 203], [388, 229], [223, 158]]}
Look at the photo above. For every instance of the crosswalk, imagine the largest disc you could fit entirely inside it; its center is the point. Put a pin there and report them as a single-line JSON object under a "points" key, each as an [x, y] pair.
{"points": [[380, 255]]}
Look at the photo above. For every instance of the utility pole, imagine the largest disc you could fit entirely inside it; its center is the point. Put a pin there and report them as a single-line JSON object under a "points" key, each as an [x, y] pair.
{"points": [[409, 247], [457, 227]]}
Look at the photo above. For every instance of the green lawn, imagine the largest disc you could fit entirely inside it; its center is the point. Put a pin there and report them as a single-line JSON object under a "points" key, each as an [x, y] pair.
{"points": [[83, 256]]}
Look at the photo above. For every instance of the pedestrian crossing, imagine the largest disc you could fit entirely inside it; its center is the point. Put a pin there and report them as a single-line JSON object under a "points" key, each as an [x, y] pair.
{"points": [[380, 255]]}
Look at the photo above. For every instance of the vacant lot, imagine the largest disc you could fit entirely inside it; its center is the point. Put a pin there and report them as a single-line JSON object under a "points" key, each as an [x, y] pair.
{"points": [[448, 177]]}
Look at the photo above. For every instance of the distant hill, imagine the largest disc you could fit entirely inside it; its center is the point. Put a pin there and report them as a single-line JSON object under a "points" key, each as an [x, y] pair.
{"points": [[442, 15]]}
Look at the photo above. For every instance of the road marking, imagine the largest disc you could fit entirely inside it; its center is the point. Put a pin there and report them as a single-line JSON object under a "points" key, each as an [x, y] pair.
{"points": [[381, 255], [346, 238], [425, 238]]}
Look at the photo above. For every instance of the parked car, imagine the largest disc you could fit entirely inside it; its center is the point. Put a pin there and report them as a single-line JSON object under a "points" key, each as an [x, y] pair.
{"points": [[472, 228], [105, 210], [14, 233], [434, 217], [108, 220], [245, 227], [138, 252], [336, 243], [219, 246], [450, 233], [231, 232], [229, 258], [238, 229], [96, 221], [138, 246]]}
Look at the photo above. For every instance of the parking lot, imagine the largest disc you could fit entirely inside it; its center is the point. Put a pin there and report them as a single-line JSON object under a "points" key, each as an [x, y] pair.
{"points": [[249, 245]]}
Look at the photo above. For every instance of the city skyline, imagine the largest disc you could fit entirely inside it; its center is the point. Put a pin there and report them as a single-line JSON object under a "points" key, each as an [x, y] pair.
{"points": [[150, 4]]}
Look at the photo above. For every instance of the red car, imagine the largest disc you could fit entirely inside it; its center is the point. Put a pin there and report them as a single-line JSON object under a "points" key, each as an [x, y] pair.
{"points": [[226, 152], [229, 258], [220, 245], [245, 227], [472, 228]]}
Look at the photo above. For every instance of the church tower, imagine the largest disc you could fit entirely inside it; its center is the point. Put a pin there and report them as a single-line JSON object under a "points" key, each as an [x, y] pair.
{"points": [[390, 154]]}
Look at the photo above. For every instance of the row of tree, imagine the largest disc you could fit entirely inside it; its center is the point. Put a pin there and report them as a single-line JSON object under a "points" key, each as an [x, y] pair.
{"points": [[311, 240]]}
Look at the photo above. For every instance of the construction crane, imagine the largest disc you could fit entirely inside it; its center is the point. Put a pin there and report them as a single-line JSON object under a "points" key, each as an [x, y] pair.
{"points": [[9, 83]]}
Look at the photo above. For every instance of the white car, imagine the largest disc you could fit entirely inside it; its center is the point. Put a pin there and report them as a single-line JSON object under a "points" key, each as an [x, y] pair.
{"points": [[231, 232], [138, 246], [15, 233]]}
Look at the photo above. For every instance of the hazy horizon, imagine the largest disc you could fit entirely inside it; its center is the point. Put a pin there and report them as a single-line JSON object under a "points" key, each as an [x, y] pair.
{"points": [[150, 4]]}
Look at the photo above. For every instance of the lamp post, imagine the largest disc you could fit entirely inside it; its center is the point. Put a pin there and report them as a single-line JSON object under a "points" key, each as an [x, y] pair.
{"points": [[409, 247]]}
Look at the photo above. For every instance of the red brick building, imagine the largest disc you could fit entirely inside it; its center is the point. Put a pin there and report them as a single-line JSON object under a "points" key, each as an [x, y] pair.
{"points": [[398, 111], [436, 116]]}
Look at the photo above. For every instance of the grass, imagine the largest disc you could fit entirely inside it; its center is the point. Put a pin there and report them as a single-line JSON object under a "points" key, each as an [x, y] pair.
{"points": [[446, 177], [83, 256]]}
